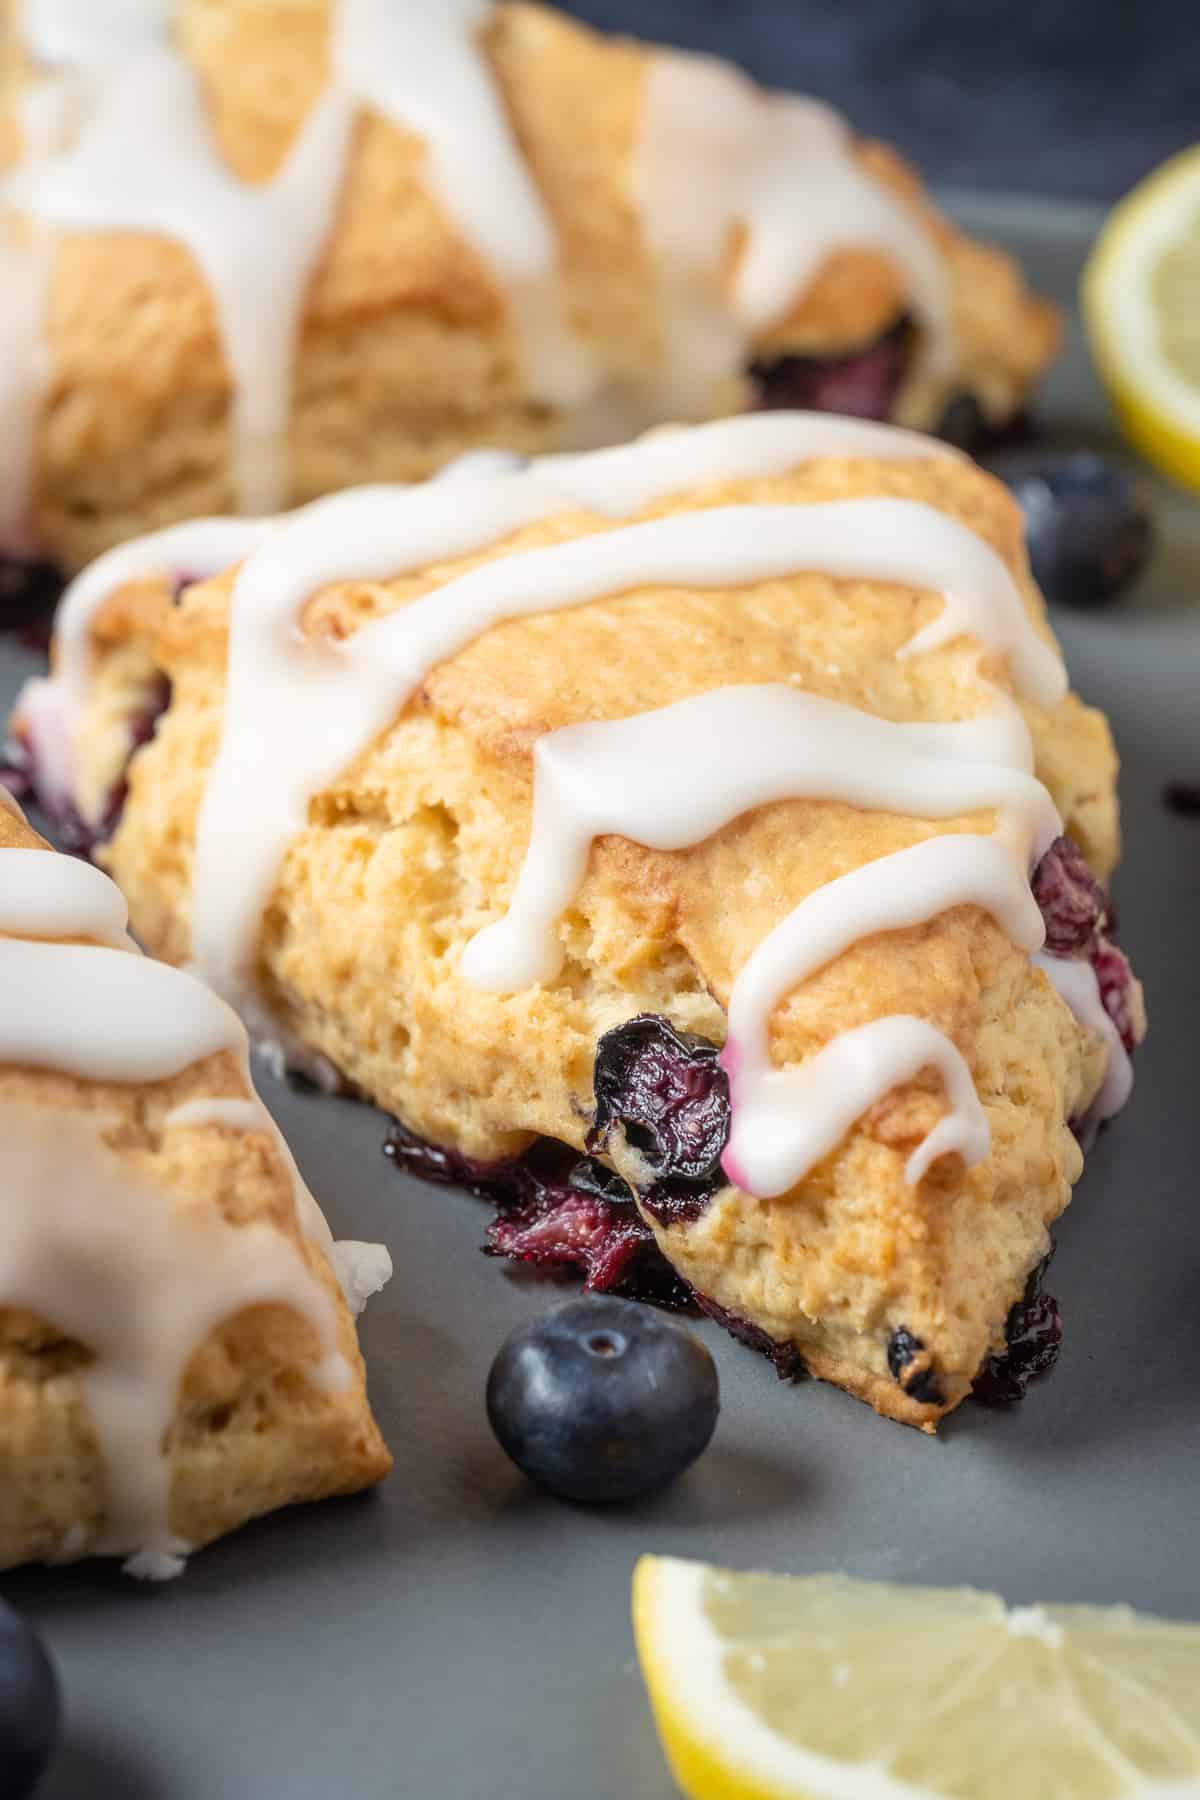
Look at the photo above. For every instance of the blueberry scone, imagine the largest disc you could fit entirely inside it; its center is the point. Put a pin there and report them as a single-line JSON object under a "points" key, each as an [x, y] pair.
{"points": [[255, 252], [177, 1351], [693, 845]]}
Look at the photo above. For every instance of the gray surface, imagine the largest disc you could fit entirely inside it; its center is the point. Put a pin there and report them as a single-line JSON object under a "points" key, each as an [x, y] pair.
{"points": [[458, 1637]]}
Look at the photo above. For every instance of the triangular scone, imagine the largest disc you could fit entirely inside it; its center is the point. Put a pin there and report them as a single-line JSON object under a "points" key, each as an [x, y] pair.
{"points": [[478, 225], [791, 647], [176, 1352]]}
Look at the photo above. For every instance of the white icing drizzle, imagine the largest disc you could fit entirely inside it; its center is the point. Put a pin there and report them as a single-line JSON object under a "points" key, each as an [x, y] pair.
{"points": [[778, 1130], [51, 708], [800, 1115], [82, 32], [101, 1253], [89, 1244], [79, 902], [146, 161], [104, 1016], [754, 745], [271, 762], [362, 1269], [672, 777], [1075, 981], [714, 154], [718, 155], [611, 482], [420, 66]]}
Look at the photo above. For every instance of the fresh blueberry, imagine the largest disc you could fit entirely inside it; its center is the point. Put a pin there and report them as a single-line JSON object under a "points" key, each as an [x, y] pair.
{"points": [[602, 1399], [1087, 525], [29, 1706]]}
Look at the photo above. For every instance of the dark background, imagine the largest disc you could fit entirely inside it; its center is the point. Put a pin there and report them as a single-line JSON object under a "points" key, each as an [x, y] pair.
{"points": [[1066, 97]]}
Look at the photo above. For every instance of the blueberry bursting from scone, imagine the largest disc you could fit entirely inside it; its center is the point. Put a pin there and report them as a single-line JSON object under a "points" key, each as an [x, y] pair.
{"points": [[866, 383], [19, 773], [663, 1093]]}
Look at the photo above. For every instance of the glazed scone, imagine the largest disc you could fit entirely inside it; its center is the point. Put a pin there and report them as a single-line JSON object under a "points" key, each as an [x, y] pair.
{"points": [[780, 685], [275, 250], [177, 1352]]}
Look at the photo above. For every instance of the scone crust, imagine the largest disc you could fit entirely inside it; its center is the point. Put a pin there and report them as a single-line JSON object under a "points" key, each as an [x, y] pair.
{"points": [[252, 1431], [418, 845], [405, 356]]}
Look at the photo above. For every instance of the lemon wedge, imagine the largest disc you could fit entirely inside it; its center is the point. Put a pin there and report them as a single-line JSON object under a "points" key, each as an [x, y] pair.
{"points": [[1141, 306], [777, 1687]]}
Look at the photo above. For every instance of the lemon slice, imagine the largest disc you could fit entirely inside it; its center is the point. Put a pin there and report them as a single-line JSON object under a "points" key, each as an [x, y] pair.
{"points": [[777, 1687], [1141, 305]]}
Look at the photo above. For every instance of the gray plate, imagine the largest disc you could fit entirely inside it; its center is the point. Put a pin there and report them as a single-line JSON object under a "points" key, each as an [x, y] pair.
{"points": [[456, 1636]]}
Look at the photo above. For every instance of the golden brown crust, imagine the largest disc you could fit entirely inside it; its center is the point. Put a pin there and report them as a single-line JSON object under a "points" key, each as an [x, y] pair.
{"points": [[405, 357], [252, 1430], [418, 845]]}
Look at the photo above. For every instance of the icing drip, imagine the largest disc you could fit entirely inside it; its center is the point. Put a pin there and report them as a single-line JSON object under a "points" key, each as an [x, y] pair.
{"points": [[800, 1115], [420, 66], [1075, 981], [100, 1253], [362, 1269], [78, 902], [718, 156], [746, 746], [783, 1120], [270, 761], [671, 778], [104, 1015], [146, 161], [611, 482]]}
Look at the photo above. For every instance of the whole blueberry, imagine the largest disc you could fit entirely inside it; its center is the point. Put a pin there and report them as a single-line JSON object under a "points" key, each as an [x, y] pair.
{"points": [[29, 1706], [1087, 525], [602, 1399]]}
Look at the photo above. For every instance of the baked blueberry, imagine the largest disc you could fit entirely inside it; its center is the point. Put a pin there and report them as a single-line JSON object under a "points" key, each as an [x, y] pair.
{"points": [[29, 1706], [785, 1358], [1032, 1338], [1075, 907], [862, 383], [556, 1211], [1087, 525], [602, 1400], [910, 1364], [669, 1094]]}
